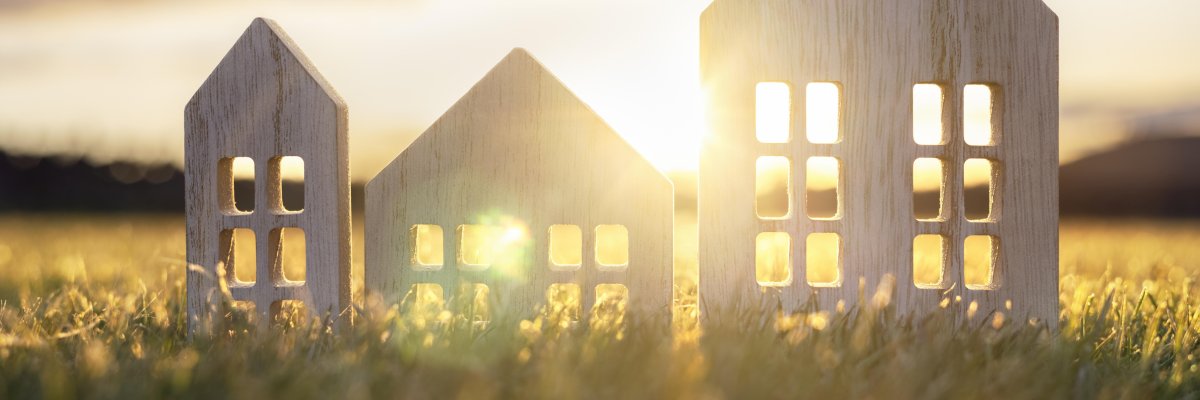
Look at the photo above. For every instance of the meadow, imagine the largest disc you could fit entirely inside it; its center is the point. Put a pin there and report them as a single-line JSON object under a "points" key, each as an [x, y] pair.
{"points": [[92, 307]]}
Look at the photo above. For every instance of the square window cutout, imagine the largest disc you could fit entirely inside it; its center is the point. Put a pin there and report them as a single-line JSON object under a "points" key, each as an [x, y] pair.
{"points": [[476, 247], [823, 111], [772, 187], [564, 300], [772, 112], [979, 262], [566, 247], [235, 177], [288, 249], [287, 181], [239, 257], [426, 244], [773, 259], [823, 260], [612, 247], [929, 261]]}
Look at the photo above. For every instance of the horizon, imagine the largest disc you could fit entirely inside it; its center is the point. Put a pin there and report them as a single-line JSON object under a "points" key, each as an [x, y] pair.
{"points": [[60, 62]]}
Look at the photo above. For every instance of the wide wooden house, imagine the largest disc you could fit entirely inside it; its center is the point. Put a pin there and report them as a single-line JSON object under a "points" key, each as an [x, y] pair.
{"points": [[912, 143], [517, 190]]}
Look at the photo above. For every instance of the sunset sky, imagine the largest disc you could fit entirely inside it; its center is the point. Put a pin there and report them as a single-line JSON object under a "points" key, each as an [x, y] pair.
{"points": [[109, 80]]}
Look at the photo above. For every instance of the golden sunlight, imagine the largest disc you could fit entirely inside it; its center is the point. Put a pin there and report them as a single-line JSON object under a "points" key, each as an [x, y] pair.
{"points": [[772, 187], [772, 112], [427, 241], [977, 115], [822, 112], [927, 114], [566, 247], [773, 259], [823, 260], [979, 261], [822, 192], [929, 261], [612, 246]]}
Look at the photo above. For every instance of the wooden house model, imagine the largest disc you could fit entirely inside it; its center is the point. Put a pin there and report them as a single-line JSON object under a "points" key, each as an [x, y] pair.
{"points": [[521, 188], [266, 105], [827, 114]]}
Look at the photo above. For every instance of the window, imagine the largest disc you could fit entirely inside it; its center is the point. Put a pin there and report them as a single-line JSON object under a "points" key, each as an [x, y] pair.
{"points": [[773, 259], [823, 260], [425, 299], [475, 247], [823, 112], [929, 261], [928, 188], [236, 185], [612, 247], [611, 301], [772, 187], [979, 262], [979, 191], [287, 181], [288, 259], [978, 115], [823, 187], [773, 112], [563, 301], [927, 115], [238, 255], [289, 312], [427, 250], [566, 247]]}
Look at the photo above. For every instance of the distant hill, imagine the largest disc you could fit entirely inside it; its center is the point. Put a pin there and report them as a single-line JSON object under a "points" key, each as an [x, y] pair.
{"points": [[1152, 178], [56, 184], [1159, 177], [66, 184]]}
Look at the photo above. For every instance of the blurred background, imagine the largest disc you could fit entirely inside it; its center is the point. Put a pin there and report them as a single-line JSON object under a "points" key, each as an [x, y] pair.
{"points": [[92, 92]]}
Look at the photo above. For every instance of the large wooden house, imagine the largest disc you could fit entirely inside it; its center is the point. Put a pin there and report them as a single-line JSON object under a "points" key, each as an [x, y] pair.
{"points": [[825, 116]]}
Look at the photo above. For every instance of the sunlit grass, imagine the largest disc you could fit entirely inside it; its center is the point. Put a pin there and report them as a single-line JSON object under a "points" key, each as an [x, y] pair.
{"points": [[93, 307]]}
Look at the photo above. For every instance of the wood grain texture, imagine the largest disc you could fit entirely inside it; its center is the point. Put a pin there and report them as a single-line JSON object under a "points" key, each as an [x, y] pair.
{"points": [[877, 51], [519, 150], [266, 100]]}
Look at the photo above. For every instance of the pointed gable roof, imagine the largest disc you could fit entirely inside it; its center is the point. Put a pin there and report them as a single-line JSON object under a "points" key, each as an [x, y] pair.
{"points": [[263, 59], [520, 101]]}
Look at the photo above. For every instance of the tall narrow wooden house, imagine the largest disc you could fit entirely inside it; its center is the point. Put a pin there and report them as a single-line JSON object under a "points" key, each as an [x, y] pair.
{"points": [[265, 106], [857, 140]]}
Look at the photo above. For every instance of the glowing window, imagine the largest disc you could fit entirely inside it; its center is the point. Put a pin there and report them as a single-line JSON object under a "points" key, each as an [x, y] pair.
{"points": [[427, 250], [236, 191], [238, 255], [612, 247], [928, 188], [823, 112], [563, 301], [979, 189], [977, 115], [772, 187], [773, 112], [475, 247], [288, 312], [979, 262], [823, 260], [287, 176], [773, 259], [927, 114], [823, 187], [287, 255], [929, 261], [566, 247]]}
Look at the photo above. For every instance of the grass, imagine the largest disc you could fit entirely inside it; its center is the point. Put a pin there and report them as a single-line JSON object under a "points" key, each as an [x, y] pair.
{"points": [[91, 307]]}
